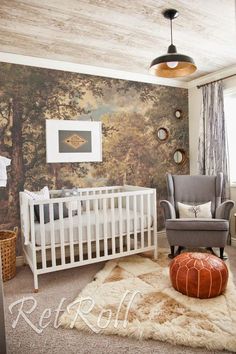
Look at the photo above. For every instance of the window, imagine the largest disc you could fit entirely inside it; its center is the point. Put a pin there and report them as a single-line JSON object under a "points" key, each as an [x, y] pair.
{"points": [[230, 116]]}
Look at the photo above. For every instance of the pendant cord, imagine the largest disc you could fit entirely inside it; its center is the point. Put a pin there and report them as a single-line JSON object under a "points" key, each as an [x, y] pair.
{"points": [[171, 34]]}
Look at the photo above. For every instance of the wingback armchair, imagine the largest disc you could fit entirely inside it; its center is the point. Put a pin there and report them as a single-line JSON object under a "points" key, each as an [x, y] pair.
{"points": [[196, 232]]}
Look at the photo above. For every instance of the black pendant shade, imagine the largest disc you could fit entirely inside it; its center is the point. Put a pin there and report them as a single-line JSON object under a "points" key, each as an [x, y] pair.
{"points": [[172, 64]]}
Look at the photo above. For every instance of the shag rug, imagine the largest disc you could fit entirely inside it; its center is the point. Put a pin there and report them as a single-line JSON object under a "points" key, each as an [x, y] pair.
{"points": [[133, 296]]}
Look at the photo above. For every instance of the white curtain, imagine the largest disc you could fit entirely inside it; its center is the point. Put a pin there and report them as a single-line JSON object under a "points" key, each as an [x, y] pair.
{"points": [[213, 148]]}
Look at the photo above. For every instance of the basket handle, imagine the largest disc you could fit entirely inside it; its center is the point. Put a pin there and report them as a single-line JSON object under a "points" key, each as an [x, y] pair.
{"points": [[16, 230]]}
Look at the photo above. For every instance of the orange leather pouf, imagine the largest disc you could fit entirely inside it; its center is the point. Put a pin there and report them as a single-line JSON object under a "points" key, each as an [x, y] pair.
{"points": [[200, 275]]}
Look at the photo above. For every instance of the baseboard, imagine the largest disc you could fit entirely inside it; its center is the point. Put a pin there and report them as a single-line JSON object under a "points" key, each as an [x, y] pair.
{"points": [[20, 261], [233, 241]]}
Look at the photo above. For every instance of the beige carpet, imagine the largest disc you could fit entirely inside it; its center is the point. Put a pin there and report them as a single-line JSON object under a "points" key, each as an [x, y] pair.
{"points": [[53, 287], [133, 296]]}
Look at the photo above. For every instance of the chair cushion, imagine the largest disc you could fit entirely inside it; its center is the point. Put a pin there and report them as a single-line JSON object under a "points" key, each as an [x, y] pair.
{"points": [[198, 224]]}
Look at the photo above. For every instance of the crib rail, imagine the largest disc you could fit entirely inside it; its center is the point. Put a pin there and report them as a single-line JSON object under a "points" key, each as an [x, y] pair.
{"points": [[97, 224]]}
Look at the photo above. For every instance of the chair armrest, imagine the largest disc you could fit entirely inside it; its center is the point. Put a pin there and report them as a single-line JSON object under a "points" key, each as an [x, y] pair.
{"points": [[224, 209], [169, 210]]}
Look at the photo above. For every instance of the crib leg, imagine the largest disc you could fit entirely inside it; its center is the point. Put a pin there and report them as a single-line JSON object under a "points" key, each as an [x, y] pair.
{"points": [[36, 284], [155, 244]]}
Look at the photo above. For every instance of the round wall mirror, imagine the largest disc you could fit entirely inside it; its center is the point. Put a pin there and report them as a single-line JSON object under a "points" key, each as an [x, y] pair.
{"points": [[178, 114], [179, 156], [162, 134]]}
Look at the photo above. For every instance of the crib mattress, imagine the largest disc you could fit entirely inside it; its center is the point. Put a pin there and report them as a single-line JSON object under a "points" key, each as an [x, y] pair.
{"points": [[84, 221]]}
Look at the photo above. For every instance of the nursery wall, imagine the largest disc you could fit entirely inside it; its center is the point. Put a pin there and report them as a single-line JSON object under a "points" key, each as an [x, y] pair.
{"points": [[131, 113]]}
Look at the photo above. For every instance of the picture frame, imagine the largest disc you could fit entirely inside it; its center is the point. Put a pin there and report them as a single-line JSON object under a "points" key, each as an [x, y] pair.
{"points": [[73, 141]]}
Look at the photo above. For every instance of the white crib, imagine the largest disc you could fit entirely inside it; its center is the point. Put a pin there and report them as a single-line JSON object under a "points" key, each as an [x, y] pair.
{"points": [[108, 222]]}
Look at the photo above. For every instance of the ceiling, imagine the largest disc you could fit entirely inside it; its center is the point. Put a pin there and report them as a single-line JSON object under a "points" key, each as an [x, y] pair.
{"points": [[120, 34]]}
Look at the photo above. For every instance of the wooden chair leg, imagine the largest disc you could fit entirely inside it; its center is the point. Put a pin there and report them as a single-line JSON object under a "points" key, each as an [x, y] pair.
{"points": [[180, 248], [172, 252], [222, 254], [210, 249]]}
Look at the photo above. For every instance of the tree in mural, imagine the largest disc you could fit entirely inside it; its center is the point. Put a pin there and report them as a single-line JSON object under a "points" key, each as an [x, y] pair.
{"points": [[132, 153], [28, 96], [127, 141], [131, 113], [11, 112]]}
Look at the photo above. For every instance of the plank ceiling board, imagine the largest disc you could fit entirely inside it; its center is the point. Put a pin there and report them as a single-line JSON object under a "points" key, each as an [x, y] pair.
{"points": [[122, 35]]}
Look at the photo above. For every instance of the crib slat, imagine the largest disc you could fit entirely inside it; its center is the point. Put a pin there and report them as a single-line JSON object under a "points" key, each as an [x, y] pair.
{"points": [[149, 219], [32, 240], [91, 193], [155, 240], [42, 234], [120, 223], [142, 221], [32, 228], [113, 238], [100, 200], [80, 230], [52, 232], [32, 236], [71, 233], [97, 226], [135, 223], [88, 218], [128, 222], [104, 206], [62, 235]]}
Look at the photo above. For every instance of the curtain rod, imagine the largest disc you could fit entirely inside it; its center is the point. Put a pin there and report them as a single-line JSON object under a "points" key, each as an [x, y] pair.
{"points": [[211, 82]]}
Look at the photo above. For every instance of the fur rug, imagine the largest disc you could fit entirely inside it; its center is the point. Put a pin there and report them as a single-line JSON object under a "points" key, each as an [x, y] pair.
{"points": [[133, 296]]}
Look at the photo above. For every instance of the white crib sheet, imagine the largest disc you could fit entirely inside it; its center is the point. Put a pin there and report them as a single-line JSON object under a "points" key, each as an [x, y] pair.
{"points": [[84, 220]]}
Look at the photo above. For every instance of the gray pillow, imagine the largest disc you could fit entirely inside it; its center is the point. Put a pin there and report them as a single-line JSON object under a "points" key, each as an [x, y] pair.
{"points": [[46, 212], [71, 193], [64, 193]]}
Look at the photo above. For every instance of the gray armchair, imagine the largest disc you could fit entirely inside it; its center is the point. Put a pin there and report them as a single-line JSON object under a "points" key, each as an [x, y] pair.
{"points": [[196, 232]]}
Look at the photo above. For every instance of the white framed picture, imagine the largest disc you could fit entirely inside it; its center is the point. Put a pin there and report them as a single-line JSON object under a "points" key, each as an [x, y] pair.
{"points": [[73, 141]]}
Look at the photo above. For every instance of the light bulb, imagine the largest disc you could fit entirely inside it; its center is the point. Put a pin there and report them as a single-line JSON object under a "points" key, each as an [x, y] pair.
{"points": [[172, 64]]}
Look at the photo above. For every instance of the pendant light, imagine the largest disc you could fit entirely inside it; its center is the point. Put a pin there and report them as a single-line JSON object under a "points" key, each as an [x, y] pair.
{"points": [[172, 64]]}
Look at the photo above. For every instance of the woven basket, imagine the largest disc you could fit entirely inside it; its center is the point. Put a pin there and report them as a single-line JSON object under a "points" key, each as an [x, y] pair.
{"points": [[8, 253]]}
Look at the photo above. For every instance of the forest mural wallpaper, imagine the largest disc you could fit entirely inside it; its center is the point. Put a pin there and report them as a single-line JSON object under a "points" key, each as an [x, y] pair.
{"points": [[131, 113]]}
